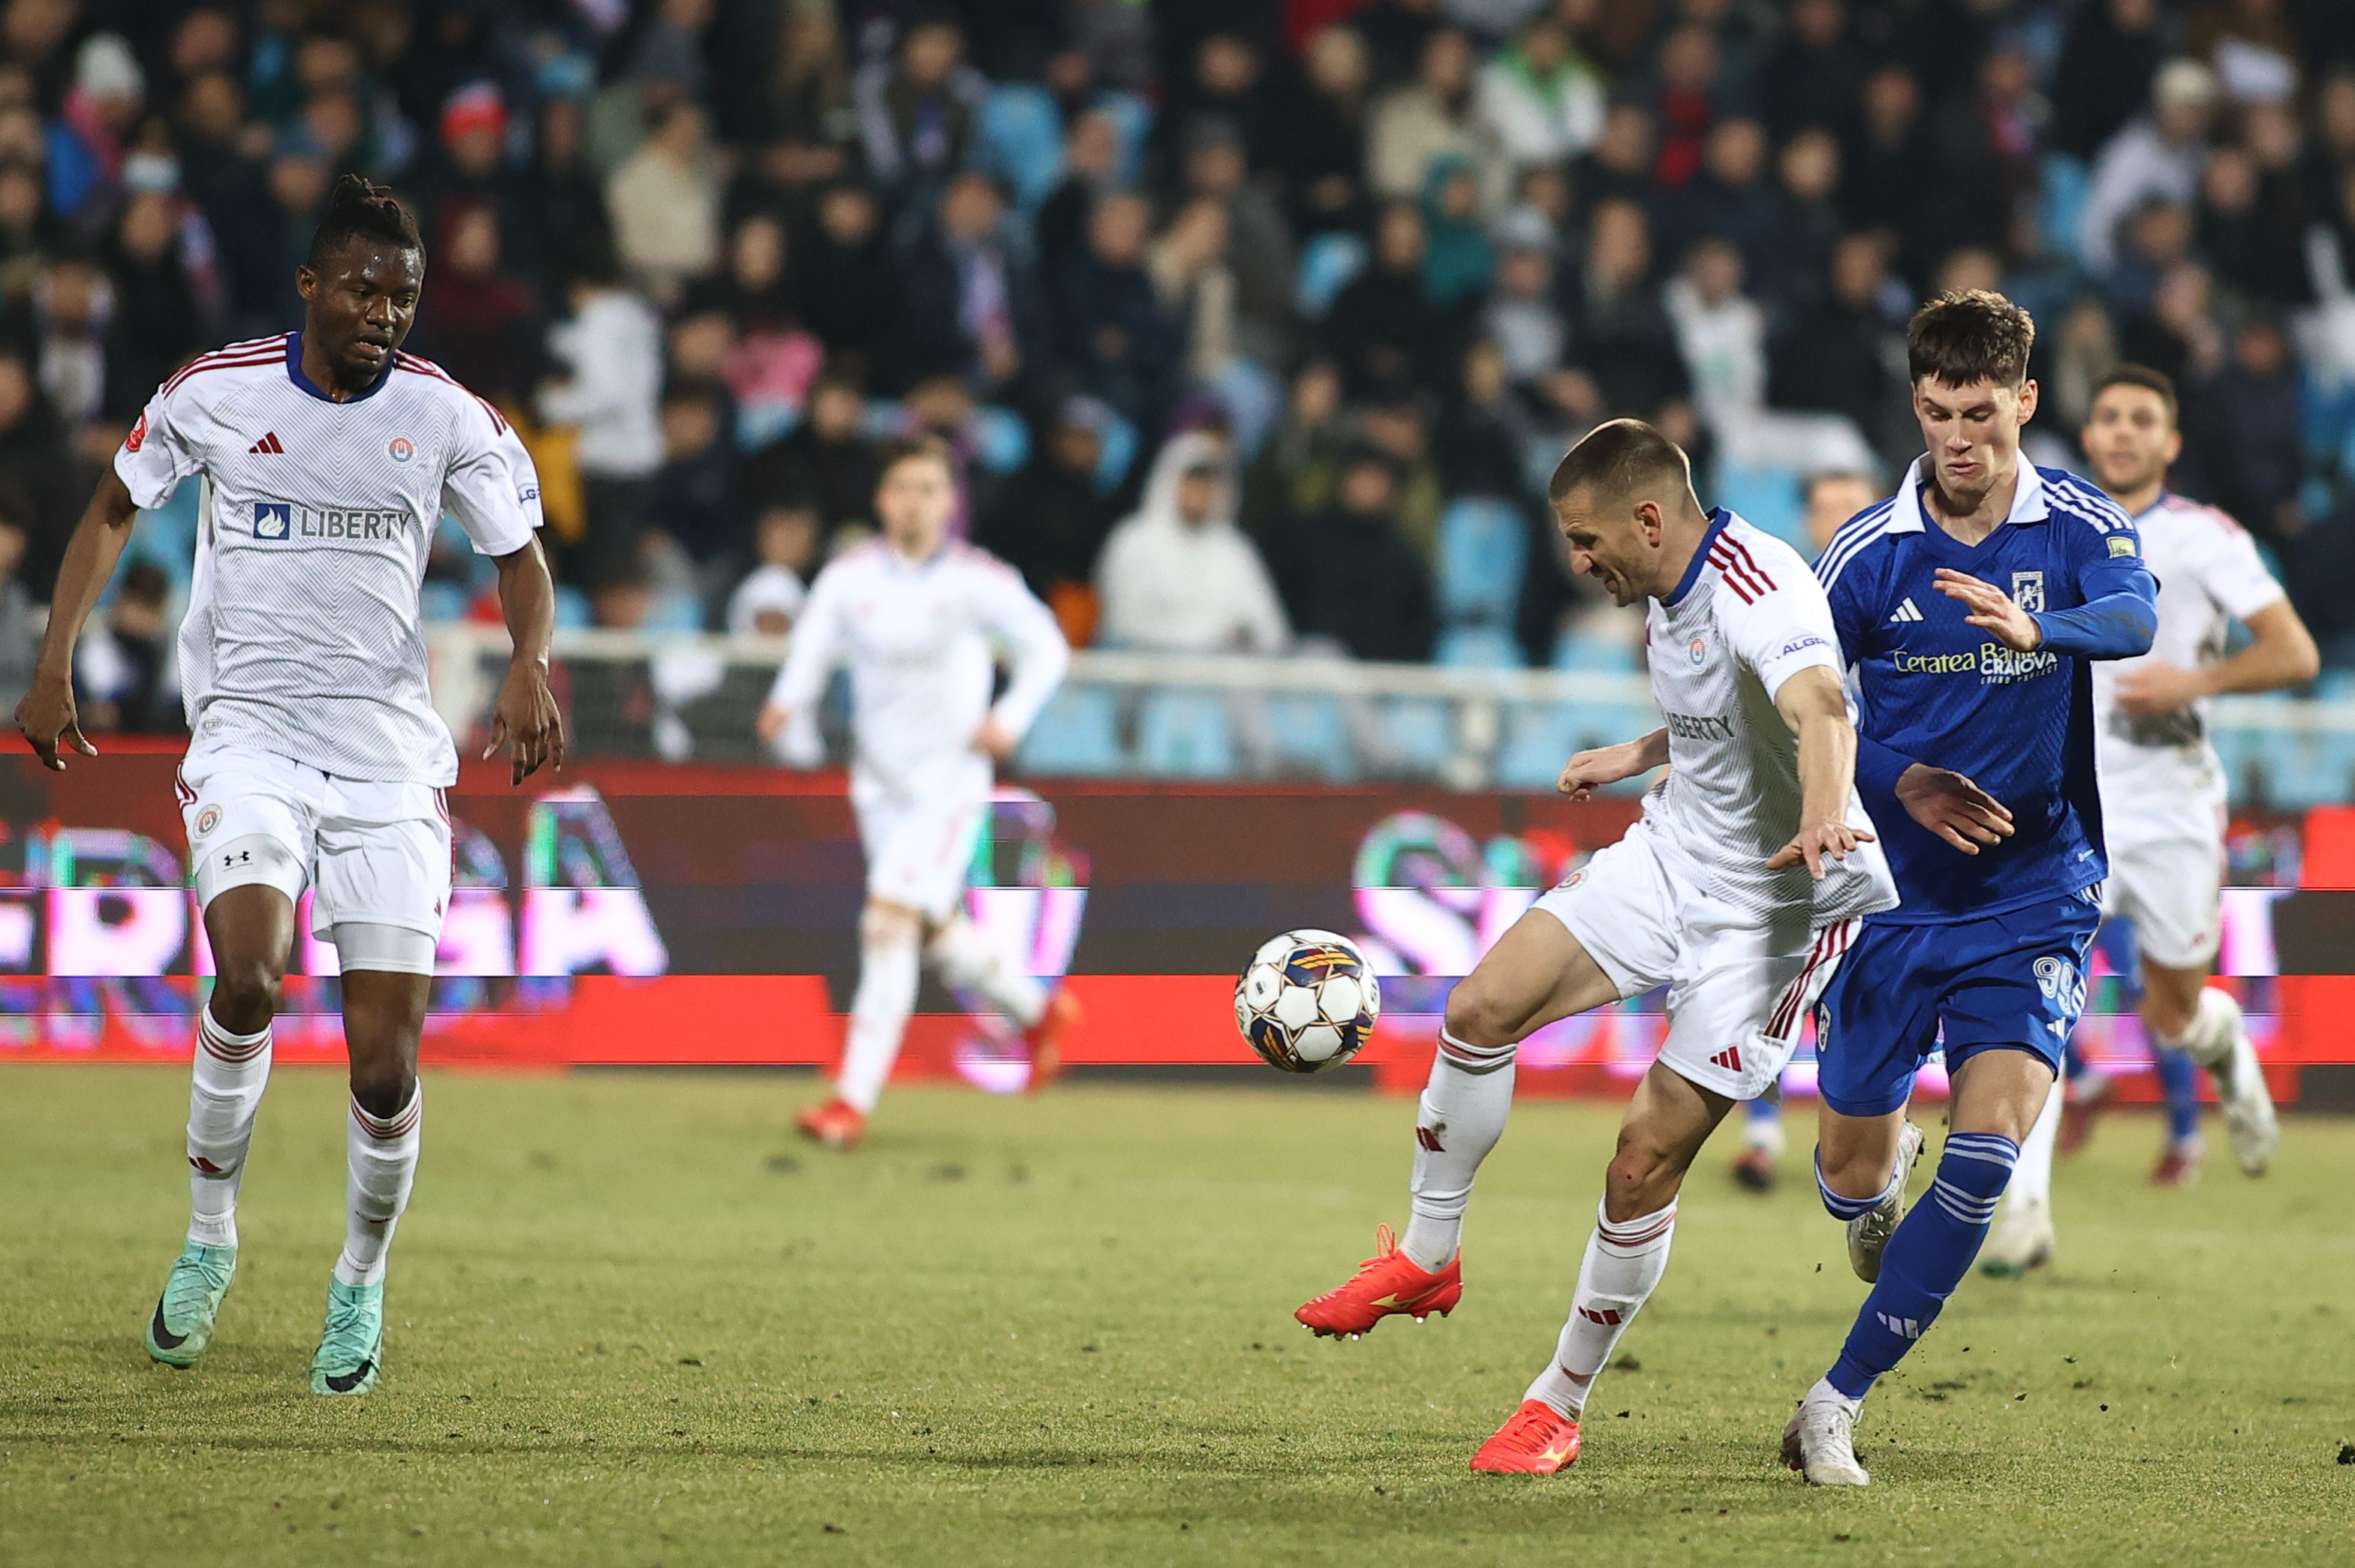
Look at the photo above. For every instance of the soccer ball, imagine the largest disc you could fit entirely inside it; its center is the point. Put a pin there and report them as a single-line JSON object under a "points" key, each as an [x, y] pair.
{"points": [[1307, 1002]]}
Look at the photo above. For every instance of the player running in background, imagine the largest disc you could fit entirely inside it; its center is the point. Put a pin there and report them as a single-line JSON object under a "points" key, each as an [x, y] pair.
{"points": [[1738, 889], [2163, 794], [918, 618], [1968, 606], [327, 458]]}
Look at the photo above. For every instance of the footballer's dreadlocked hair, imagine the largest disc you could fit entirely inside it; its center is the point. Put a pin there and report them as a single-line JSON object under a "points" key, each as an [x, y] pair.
{"points": [[357, 209], [1619, 459], [1970, 335]]}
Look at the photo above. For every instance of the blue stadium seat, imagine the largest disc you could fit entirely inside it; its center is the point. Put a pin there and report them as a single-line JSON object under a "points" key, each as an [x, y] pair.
{"points": [[1478, 647], [1418, 732], [1077, 733], [1595, 653], [1540, 737], [1186, 734], [439, 600], [1768, 498], [2063, 183], [1327, 263], [1022, 141], [1001, 439], [1483, 544], [572, 608], [1307, 733]]}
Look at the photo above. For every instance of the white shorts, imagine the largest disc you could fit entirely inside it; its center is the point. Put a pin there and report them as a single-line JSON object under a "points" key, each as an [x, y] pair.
{"points": [[2172, 889], [1737, 987], [375, 854], [918, 853]]}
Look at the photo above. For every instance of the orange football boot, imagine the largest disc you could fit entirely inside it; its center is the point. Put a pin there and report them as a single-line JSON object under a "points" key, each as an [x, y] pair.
{"points": [[837, 1124], [1386, 1283], [1537, 1440], [1045, 1038]]}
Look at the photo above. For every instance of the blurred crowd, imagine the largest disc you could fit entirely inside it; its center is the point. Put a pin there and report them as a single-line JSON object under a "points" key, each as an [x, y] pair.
{"points": [[1226, 307]]}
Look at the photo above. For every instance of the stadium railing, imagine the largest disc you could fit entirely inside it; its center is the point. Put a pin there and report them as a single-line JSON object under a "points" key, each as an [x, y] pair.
{"points": [[687, 696]]}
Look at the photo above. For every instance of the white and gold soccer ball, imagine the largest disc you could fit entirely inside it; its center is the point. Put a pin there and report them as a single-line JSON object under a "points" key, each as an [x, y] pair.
{"points": [[1307, 1000]]}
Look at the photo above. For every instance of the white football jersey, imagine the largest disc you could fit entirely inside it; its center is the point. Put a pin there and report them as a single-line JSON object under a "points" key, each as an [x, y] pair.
{"points": [[1748, 616], [921, 640], [302, 635], [2159, 776]]}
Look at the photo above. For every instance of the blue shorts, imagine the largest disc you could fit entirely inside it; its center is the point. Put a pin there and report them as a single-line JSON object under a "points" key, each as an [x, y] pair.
{"points": [[2010, 981]]}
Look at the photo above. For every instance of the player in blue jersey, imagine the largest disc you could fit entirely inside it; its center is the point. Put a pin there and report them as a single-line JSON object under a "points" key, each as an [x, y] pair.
{"points": [[1968, 605]]}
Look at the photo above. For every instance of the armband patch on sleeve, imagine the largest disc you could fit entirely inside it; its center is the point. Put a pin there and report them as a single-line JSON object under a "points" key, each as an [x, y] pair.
{"points": [[2121, 545]]}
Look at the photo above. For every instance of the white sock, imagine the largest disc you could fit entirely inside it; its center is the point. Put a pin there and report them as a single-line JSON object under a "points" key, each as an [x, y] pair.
{"points": [[1460, 1119], [2031, 1178], [224, 1093], [2214, 1029], [1623, 1265], [879, 1018], [967, 960], [381, 1158]]}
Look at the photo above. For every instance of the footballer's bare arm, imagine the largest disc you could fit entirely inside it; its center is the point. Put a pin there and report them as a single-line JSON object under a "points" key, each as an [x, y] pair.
{"points": [[527, 717], [1815, 705], [48, 716], [1590, 771]]}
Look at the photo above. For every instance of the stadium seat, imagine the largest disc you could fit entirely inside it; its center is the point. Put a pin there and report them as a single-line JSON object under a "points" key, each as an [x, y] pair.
{"points": [[1417, 734], [1022, 141], [1186, 734], [572, 608], [1307, 733], [1595, 653], [1483, 544], [440, 600], [1540, 737], [1327, 263], [1767, 497], [2060, 213], [1001, 439], [1478, 647], [1077, 733]]}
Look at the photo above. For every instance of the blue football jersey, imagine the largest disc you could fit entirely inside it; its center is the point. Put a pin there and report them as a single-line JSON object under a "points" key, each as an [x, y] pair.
{"points": [[1938, 691]]}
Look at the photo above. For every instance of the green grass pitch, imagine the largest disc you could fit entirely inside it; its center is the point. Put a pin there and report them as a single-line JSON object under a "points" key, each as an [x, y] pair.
{"points": [[632, 1321]]}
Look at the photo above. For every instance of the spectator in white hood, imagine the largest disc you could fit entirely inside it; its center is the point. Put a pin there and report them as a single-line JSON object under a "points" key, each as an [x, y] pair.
{"points": [[1177, 575]]}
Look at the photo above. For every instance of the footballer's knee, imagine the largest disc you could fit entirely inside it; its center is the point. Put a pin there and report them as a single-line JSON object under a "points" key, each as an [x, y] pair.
{"points": [[1478, 1013], [247, 992], [885, 924], [1644, 1176]]}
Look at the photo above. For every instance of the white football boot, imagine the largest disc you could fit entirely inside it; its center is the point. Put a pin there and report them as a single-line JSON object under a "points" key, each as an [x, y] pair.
{"points": [[2021, 1240], [1869, 1233], [2248, 1106], [1820, 1441]]}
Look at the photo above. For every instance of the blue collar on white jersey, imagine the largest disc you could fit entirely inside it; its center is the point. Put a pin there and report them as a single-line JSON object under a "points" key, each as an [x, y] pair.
{"points": [[2027, 503], [1718, 517], [294, 374]]}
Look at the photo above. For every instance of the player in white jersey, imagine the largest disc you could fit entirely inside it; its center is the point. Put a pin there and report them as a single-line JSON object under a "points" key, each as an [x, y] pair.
{"points": [[2163, 789], [919, 618], [1738, 889], [326, 457]]}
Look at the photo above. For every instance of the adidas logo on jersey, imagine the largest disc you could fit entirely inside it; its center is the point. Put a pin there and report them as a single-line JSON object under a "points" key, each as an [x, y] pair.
{"points": [[267, 443], [1906, 611], [1730, 1059]]}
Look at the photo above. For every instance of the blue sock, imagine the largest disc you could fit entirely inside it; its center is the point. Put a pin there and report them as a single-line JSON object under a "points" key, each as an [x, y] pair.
{"points": [[1927, 1258], [1762, 1109], [2179, 1076], [1847, 1208]]}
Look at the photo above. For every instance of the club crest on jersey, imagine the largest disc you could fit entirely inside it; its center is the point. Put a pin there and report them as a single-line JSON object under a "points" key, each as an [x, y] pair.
{"points": [[400, 449], [138, 436], [1699, 649], [2027, 591], [273, 521], [207, 819]]}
